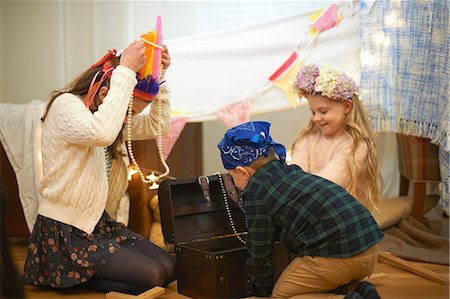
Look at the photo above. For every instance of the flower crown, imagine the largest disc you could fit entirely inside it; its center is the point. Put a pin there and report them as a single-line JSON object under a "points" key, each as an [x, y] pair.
{"points": [[326, 81]]}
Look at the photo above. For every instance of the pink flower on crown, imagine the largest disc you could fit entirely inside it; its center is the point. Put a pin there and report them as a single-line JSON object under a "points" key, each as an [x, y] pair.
{"points": [[306, 78], [344, 89], [326, 81]]}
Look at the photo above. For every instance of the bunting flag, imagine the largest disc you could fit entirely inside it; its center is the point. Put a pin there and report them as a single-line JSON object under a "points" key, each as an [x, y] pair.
{"points": [[176, 126], [284, 77], [326, 20], [235, 114]]}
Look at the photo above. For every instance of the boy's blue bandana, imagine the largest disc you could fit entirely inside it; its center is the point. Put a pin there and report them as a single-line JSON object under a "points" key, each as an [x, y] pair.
{"points": [[246, 142]]}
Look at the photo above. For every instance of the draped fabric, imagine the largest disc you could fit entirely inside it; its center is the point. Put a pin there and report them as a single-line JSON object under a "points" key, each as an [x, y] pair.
{"points": [[404, 72], [212, 71], [20, 136]]}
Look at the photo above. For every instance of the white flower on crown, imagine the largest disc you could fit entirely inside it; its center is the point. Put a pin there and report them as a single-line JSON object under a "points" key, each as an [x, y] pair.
{"points": [[326, 81]]}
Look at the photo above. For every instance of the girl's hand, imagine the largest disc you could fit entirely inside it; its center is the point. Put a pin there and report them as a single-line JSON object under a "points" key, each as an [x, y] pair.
{"points": [[133, 57], [165, 58]]}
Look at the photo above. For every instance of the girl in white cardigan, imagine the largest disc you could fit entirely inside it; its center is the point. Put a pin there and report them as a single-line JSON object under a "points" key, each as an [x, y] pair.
{"points": [[76, 240]]}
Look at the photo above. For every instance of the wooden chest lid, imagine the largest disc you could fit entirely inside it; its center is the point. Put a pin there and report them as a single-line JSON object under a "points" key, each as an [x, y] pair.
{"points": [[186, 216]]}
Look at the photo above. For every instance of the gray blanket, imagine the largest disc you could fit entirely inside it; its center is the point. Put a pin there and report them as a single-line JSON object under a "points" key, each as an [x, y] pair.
{"points": [[412, 240]]}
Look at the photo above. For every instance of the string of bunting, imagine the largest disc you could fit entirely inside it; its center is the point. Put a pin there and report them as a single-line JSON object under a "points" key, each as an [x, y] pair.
{"points": [[239, 111]]}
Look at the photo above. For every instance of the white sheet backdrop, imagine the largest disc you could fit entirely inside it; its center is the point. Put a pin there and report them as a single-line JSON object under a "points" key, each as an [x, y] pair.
{"points": [[211, 71]]}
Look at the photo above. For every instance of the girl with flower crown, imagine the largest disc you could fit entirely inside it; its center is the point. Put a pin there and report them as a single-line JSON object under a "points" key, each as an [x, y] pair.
{"points": [[338, 142], [76, 239]]}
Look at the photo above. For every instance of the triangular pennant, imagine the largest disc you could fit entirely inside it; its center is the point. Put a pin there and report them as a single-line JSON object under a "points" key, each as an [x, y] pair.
{"points": [[176, 126], [315, 15], [328, 19], [286, 65], [285, 82], [235, 114], [312, 18]]}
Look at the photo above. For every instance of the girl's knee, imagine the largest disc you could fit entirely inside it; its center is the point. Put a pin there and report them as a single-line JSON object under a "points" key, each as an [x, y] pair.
{"points": [[169, 266], [152, 277]]}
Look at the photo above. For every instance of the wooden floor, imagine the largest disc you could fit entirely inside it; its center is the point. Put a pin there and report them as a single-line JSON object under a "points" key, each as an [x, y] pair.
{"points": [[392, 283], [396, 284]]}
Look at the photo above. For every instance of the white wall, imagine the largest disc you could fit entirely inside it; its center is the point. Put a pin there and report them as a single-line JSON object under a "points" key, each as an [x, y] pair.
{"points": [[31, 50], [45, 44]]}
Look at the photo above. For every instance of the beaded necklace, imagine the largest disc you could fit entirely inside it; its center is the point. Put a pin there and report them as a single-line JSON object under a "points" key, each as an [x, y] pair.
{"points": [[227, 207], [150, 180]]}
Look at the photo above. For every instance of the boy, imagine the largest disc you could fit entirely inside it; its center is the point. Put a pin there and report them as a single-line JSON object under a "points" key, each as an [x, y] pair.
{"points": [[333, 235]]}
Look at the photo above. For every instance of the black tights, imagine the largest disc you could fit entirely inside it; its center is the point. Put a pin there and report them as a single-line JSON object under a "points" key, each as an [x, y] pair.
{"points": [[134, 270]]}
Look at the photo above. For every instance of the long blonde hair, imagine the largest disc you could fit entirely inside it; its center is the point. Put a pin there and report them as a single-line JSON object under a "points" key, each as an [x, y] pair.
{"points": [[358, 127]]}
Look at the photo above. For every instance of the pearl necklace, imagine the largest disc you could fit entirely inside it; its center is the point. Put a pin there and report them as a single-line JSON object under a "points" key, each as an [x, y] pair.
{"points": [[151, 44], [227, 207], [158, 143]]}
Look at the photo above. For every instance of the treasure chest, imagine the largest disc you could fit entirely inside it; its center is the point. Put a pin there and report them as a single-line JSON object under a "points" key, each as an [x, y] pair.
{"points": [[201, 218]]}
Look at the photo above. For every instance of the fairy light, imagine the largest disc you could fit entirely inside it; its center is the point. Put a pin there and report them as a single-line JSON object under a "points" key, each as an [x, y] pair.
{"points": [[132, 171], [382, 39], [379, 37], [154, 186], [386, 41], [391, 19], [368, 59], [288, 156], [151, 177]]}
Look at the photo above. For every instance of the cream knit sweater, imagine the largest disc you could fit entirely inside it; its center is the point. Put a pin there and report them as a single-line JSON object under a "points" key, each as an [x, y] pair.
{"points": [[75, 187], [327, 158]]}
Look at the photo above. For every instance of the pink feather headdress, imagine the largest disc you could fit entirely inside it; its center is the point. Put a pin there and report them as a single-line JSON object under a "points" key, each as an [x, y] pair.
{"points": [[148, 76]]}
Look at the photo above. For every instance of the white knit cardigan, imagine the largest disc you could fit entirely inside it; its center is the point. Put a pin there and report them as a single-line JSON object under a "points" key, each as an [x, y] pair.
{"points": [[74, 187]]}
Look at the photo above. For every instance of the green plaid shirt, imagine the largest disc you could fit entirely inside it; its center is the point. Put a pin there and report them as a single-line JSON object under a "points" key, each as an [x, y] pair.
{"points": [[308, 214]]}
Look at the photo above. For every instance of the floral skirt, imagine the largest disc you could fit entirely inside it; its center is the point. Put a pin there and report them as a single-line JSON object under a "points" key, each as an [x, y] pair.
{"points": [[61, 256]]}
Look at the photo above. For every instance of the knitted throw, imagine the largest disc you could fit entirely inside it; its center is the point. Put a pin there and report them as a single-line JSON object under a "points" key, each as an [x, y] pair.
{"points": [[405, 72]]}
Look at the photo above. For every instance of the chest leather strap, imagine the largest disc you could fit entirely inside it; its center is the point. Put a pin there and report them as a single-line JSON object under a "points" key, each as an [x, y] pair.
{"points": [[203, 181]]}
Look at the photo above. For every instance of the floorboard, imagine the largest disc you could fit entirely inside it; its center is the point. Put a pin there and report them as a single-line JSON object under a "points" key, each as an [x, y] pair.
{"points": [[395, 284]]}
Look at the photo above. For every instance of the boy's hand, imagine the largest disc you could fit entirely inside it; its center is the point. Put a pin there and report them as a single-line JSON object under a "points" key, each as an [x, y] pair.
{"points": [[133, 57]]}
